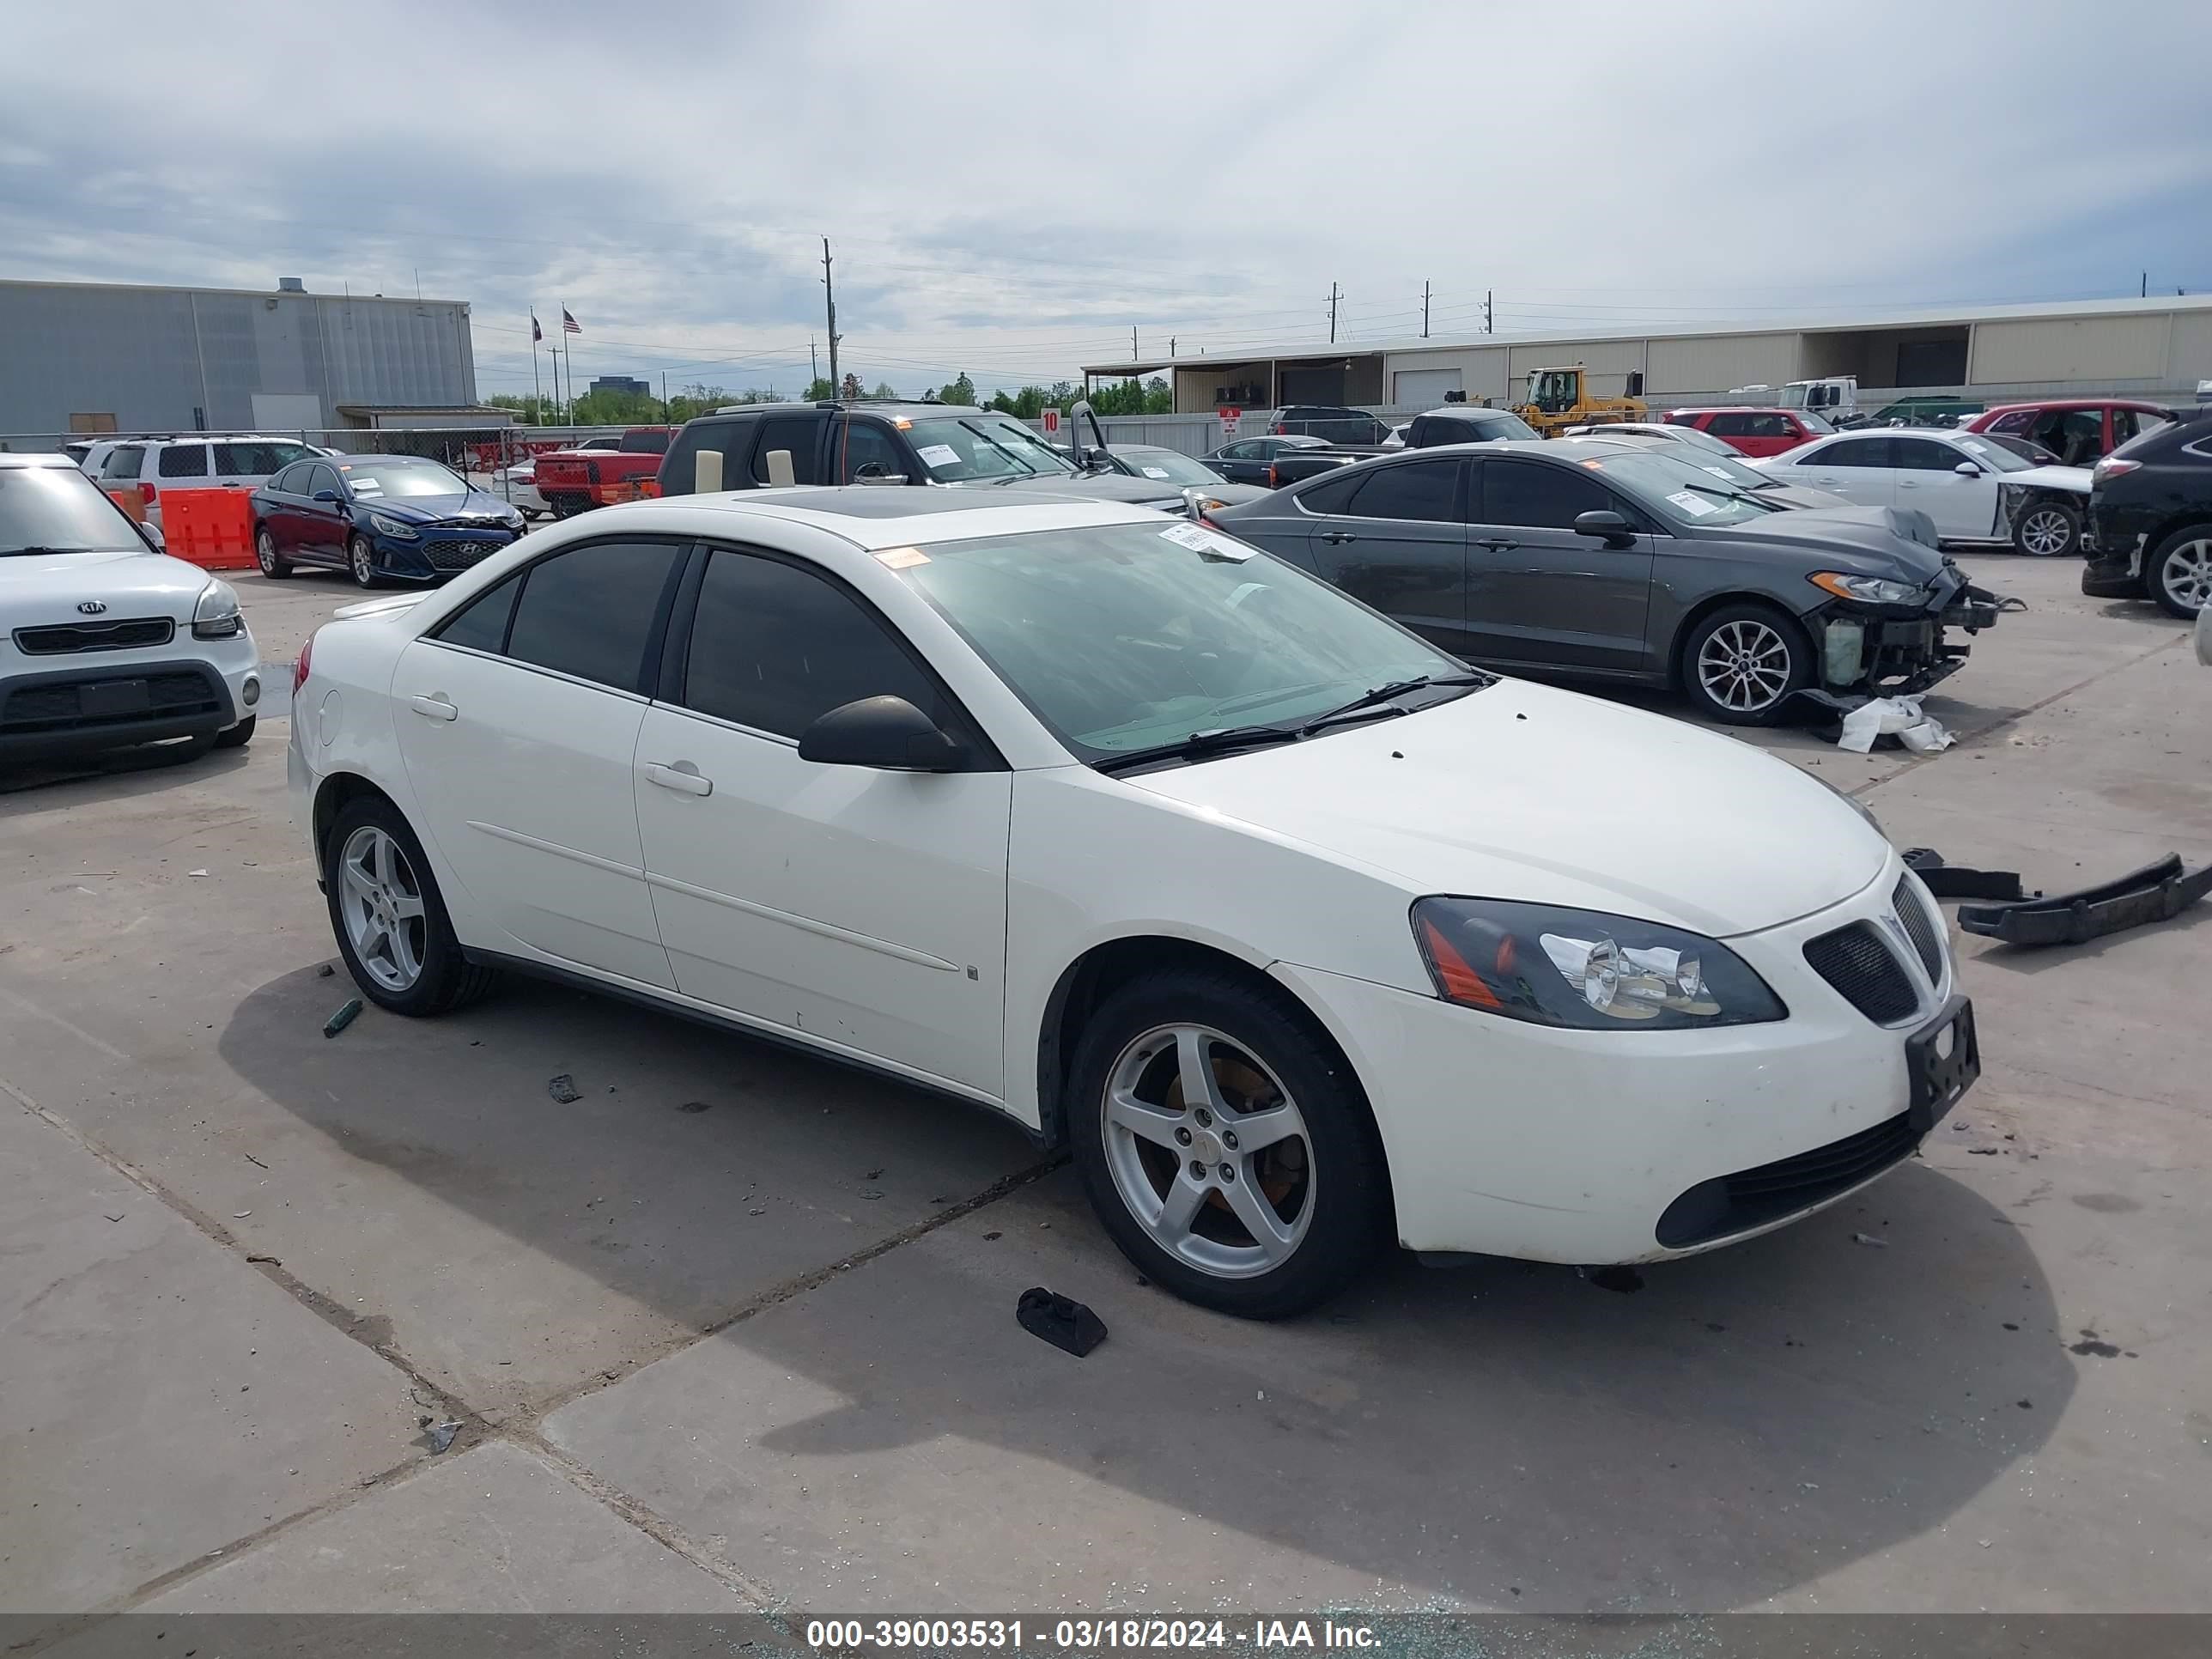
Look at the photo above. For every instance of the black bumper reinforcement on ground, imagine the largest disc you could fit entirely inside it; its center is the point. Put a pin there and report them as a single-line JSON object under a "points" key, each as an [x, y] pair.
{"points": [[2151, 894]]}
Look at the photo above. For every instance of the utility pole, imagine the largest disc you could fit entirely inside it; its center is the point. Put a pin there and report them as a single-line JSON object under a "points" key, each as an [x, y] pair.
{"points": [[1132, 343], [1333, 297], [1171, 340], [1486, 296], [1425, 311], [663, 397], [830, 297], [2145, 293]]}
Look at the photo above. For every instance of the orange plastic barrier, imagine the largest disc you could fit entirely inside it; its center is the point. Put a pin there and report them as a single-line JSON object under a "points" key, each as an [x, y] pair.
{"points": [[211, 528]]}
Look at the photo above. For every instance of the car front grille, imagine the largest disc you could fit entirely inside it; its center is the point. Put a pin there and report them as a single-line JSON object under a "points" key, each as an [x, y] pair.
{"points": [[456, 554], [58, 705], [1865, 972], [58, 639], [1752, 1198], [1926, 932]]}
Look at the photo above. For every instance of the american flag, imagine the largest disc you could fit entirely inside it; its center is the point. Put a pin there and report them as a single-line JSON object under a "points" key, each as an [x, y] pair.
{"points": [[569, 324]]}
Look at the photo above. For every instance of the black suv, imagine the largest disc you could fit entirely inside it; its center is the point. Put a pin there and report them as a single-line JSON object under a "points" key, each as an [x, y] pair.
{"points": [[1332, 422], [2149, 534], [887, 443]]}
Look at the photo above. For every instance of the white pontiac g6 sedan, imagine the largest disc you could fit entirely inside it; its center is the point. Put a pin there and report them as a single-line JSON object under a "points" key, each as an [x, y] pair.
{"points": [[1307, 937]]}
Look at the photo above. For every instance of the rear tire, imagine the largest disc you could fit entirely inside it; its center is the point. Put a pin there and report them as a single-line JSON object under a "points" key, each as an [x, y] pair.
{"points": [[1318, 1187], [239, 735], [265, 555], [361, 561], [2048, 529], [417, 969], [2179, 575], [1742, 664]]}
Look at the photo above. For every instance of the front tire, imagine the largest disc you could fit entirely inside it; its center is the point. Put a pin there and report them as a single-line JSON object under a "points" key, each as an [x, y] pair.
{"points": [[2048, 529], [1742, 664], [361, 560], [389, 918], [2179, 575], [266, 557], [1225, 1145]]}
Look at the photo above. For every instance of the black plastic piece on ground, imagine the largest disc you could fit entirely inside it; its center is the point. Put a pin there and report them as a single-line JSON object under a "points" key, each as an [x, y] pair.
{"points": [[1957, 881], [2151, 894], [1060, 1320]]}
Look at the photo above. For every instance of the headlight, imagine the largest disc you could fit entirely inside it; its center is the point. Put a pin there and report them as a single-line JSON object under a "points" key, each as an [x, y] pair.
{"points": [[391, 527], [1853, 802], [1585, 970], [1873, 590], [216, 616]]}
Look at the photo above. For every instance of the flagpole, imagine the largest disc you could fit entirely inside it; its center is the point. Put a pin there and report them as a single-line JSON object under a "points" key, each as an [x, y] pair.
{"points": [[537, 393]]}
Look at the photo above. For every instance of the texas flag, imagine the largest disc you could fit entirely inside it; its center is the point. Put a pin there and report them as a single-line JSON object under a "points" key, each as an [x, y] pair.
{"points": [[537, 333], [569, 324]]}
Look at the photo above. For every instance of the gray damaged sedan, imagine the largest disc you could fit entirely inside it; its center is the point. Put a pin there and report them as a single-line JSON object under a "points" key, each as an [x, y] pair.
{"points": [[1630, 566]]}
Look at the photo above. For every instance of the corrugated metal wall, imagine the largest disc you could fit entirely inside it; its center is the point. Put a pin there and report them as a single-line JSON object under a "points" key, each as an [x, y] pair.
{"points": [[170, 360], [2069, 349], [1717, 362]]}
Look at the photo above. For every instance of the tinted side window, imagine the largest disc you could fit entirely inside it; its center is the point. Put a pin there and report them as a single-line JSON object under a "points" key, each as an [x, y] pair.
{"points": [[1425, 490], [1244, 449], [124, 462], [184, 461], [293, 480], [1331, 495], [864, 445], [1733, 425], [776, 648], [732, 439], [2018, 420], [1538, 495], [1924, 455], [799, 434], [483, 623], [1853, 452], [248, 460], [644, 443], [323, 476], [1773, 426], [588, 611]]}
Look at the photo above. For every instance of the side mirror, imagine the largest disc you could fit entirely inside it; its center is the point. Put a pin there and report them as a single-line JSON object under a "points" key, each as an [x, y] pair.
{"points": [[1967, 470], [871, 472], [327, 495], [887, 732], [1609, 527], [154, 538]]}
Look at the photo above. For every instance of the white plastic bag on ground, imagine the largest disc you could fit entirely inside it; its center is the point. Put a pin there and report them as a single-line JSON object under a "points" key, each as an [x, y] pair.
{"points": [[1921, 733]]}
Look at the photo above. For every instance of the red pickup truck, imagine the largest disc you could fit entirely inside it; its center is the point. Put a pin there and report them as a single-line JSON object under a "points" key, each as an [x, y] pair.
{"points": [[575, 481]]}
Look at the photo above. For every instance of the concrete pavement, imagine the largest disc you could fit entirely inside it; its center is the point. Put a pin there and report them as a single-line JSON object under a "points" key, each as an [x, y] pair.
{"points": [[763, 1352]]}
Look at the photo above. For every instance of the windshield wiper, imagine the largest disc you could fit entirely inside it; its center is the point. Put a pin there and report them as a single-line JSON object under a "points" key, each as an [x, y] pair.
{"points": [[1198, 743], [1383, 694], [10, 552]]}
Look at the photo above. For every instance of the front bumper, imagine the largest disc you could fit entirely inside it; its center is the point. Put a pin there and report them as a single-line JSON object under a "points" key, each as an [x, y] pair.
{"points": [[1898, 650], [111, 701], [440, 552], [1508, 1138]]}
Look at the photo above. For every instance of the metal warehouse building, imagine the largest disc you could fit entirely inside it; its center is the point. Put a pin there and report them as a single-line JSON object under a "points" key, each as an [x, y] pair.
{"points": [[2155, 348], [95, 357]]}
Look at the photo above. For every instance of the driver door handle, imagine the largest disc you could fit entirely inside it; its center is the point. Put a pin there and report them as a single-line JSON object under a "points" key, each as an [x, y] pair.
{"points": [[681, 776], [1497, 546], [1337, 538], [436, 708]]}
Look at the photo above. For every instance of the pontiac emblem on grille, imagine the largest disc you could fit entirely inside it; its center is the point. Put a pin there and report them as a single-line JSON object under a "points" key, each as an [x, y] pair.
{"points": [[91, 607]]}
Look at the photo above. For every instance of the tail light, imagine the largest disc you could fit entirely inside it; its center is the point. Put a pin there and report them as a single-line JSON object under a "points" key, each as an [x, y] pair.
{"points": [[1278, 429], [146, 494], [2111, 467], [299, 668]]}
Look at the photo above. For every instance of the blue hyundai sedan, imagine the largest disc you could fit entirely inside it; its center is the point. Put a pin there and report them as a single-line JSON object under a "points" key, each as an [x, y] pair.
{"points": [[381, 517]]}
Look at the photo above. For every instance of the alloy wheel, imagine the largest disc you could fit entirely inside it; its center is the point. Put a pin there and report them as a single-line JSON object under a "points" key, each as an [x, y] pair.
{"points": [[2185, 572], [1744, 665], [265, 552], [364, 563], [381, 901], [1208, 1151], [2046, 532]]}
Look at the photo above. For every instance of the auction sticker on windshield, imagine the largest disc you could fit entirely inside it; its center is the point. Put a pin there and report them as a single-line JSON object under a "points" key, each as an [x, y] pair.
{"points": [[1696, 505], [939, 454], [1156, 472], [1199, 539]]}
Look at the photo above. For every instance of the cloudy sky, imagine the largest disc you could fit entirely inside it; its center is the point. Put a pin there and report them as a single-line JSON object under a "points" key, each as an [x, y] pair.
{"points": [[1009, 189]]}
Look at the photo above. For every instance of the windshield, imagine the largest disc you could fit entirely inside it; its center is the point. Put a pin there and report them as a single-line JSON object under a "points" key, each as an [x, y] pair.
{"points": [[1552, 389], [1681, 492], [1123, 636], [1816, 423], [387, 480], [1996, 457], [984, 447], [1726, 466], [57, 509], [1169, 465]]}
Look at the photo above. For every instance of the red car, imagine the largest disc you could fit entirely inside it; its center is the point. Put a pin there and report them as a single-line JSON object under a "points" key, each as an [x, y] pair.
{"points": [[1754, 431], [2080, 431]]}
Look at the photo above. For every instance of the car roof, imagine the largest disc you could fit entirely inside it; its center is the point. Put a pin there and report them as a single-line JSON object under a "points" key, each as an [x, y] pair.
{"points": [[10, 459], [1469, 409], [901, 407], [875, 516], [397, 460], [2074, 402], [1734, 409]]}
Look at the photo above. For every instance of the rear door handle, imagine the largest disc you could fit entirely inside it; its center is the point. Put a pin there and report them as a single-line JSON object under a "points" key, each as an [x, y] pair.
{"points": [[681, 776], [1336, 537], [1498, 547], [436, 708]]}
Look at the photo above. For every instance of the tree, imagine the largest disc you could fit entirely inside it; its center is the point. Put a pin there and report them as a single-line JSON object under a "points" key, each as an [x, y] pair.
{"points": [[884, 389], [962, 391], [820, 389], [850, 388]]}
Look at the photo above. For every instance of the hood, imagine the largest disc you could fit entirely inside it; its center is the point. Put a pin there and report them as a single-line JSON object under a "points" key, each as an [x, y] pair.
{"points": [[1801, 496], [37, 588], [1525, 791], [477, 504], [1231, 495], [1100, 487], [2075, 478], [1868, 541]]}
